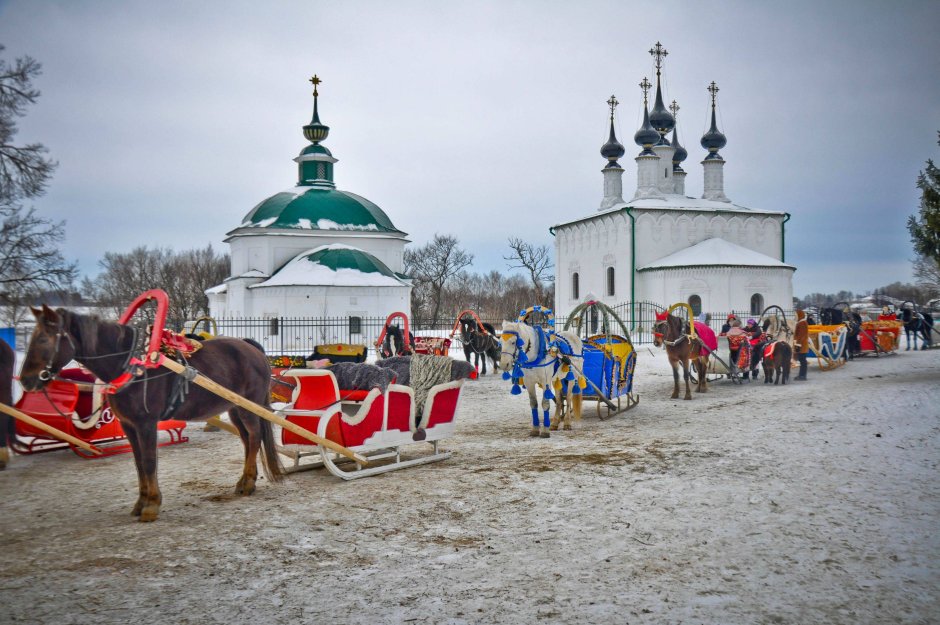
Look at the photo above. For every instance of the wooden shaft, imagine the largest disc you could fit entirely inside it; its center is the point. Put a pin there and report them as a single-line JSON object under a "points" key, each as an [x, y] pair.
{"points": [[222, 425], [36, 423], [261, 411]]}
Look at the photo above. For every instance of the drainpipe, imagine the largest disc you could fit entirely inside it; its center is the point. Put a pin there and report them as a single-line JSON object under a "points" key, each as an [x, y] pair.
{"points": [[783, 238], [629, 210]]}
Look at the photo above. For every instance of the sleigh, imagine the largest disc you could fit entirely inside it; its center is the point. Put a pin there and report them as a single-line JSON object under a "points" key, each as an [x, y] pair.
{"points": [[827, 344], [881, 336], [375, 424], [72, 406]]}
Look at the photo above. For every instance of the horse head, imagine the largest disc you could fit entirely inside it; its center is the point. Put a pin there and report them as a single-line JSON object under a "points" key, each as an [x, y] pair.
{"points": [[666, 328], [51, 347], [512, 342]]}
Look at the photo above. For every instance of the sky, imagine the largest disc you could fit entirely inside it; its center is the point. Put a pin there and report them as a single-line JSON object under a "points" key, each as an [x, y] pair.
{"points": [[171, 120]]}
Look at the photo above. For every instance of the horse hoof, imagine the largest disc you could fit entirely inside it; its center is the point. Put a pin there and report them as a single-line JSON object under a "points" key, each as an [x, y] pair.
{"points": [[534, 432], [676, 396], [545, 435], [687, 397], [567, 427], [149, 515]]}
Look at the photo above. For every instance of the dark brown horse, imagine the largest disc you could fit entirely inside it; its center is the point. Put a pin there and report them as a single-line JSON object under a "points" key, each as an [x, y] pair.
{"points": [[778, 363], [673, 332], [7, 362], [104, 347]]}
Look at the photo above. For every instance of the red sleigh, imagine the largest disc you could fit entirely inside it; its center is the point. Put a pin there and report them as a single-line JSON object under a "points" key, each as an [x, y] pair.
{"points": [[374, 424], [73, 406]]}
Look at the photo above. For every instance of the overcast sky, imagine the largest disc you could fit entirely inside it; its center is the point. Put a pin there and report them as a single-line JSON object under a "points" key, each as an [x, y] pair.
{"points": [[171, 120]]}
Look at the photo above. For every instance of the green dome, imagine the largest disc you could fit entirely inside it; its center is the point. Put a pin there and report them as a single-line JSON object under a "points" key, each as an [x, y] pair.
{"points": [[334, 265], [316, 208]]}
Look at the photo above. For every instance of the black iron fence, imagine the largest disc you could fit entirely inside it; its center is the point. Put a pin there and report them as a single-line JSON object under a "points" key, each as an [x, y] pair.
{"points": [[299, 335]]}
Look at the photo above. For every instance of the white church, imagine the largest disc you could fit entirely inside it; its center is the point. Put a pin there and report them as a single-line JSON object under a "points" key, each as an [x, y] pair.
{"points": [[663, 245], [313, 250]]}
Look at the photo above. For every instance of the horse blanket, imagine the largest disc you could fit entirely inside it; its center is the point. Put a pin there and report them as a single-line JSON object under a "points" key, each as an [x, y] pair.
{"points": [[708, 338]]}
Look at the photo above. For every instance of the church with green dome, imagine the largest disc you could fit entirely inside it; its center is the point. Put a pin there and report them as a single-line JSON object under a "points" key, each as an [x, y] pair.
{"points": [[314, 250]]}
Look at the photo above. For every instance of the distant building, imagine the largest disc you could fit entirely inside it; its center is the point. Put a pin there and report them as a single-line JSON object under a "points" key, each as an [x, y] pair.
{"points": [[313, 250], [663, 245]]}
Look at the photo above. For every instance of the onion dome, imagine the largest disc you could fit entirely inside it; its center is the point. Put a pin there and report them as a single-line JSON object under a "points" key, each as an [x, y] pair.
{"points": [[646, 136], [680, 153], [613, 149], [313, 207], [660, 117], [713, 140], [315, 131]]}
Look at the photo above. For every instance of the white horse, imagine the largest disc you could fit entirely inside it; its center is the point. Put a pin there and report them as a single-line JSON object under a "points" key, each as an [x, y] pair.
{"points": [[538, 358]]}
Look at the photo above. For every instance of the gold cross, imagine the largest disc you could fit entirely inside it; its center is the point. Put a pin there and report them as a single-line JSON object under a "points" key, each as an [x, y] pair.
{"points": [[713, 89], [612, 103], [675, 109], [316, 81], [660, 53], [645, 86]]}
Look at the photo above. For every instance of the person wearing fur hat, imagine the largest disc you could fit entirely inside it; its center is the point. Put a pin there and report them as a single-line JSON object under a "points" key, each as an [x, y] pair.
{"points": [[727, 325], [801, 342], [755, 336]]}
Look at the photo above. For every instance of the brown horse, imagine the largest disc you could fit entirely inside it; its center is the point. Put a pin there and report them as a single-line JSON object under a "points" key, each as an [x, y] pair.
{"points": [[104, 347], [673, 332], [7, 362], [778, 363]]}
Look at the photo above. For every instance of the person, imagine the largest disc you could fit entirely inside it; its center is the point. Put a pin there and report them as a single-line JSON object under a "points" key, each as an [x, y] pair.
{"points": [[755, 337], [727, 325], [736, 338], [801, 343]]}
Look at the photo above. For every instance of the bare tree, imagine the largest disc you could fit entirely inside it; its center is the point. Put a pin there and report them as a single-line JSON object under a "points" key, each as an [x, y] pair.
{"points": [[927, 273], [30, 260], [433, 265], [184, 276], [536, 260]]}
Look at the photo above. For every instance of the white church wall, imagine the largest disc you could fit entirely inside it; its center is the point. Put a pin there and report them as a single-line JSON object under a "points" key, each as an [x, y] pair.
{"points": [[268, 253], [589, 249], [322, 301]]}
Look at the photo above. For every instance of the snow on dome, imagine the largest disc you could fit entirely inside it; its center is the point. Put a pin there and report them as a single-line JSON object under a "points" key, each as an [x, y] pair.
{"points": [[333, 265], [306, 207], [715, 252]]}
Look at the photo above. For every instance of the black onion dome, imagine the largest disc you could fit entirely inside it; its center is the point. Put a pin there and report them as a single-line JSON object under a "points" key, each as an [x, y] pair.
{"points": [[660, 117], [646, 136], [681, 153], [613, 149], [713, 140]]}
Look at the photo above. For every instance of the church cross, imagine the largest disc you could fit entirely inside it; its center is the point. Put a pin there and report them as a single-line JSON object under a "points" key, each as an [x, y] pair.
{"points": [[713, 89], [645, 86], [612, 103], [316, 81], [659, 53], [675, 109]]}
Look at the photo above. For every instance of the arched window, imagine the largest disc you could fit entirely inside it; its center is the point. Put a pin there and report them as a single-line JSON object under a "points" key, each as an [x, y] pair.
{"points": [[575, 292], [610, 281], [696, 303], [757, 304]]}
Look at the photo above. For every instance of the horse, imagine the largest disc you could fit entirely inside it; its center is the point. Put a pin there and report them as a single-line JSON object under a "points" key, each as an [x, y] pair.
{"points": [[539, 359], [478, 343], [394, 343], [777, 352], [673, 332], [105, 348], [916, 325], [7, 426]]}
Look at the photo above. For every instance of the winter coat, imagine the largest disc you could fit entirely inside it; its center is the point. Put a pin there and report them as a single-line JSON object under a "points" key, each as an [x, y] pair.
{"points": [[801, 334]]}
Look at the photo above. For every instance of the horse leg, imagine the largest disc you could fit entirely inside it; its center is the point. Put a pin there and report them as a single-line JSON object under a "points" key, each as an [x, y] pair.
{"points": [[143, 440], [686, 365], [701, 365], [250, 432], [534, 404], [546, 419], [675, 378]]}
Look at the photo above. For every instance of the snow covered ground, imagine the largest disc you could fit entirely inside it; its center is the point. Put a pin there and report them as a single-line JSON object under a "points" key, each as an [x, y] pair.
{"points": [[818, 502]]}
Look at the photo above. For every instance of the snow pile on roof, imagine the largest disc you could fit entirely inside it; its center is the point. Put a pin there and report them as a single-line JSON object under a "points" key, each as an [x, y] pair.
{"points": [[327, 224], [333, 265], [216, 290], [715, 252]]}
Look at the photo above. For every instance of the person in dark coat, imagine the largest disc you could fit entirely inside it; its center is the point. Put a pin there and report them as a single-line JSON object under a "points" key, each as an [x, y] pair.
{"points": [[755, 336], [801, 343], [727, 325]]}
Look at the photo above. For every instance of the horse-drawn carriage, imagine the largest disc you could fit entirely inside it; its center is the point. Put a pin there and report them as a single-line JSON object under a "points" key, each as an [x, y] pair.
{"points": [[609, 357], [394, 340]]}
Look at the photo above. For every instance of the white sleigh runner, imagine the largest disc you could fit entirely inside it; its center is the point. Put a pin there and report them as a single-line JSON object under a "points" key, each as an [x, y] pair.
{"points": [[374, 424]]}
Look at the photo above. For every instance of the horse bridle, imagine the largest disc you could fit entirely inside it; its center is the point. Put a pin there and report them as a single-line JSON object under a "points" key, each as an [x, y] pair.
{"points": [[47, 373], [665, 322]]}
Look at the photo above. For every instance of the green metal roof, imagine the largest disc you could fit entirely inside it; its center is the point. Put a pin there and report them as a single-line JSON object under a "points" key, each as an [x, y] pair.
{"points": [[335, 257], [313, 208]]}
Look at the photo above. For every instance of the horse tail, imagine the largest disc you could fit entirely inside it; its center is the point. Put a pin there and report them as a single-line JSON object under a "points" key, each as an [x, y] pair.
{"points": [[271, 460]]}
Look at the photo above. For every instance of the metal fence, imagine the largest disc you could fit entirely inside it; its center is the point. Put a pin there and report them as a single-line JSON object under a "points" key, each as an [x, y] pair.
{"points": [[299, 335]]}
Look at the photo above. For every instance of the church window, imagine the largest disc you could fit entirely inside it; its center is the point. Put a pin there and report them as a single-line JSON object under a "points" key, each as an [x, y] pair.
{"points": [[355, 325], [574, 286], [321, 171], [696, 303], [610, 281], [757, 304]]}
